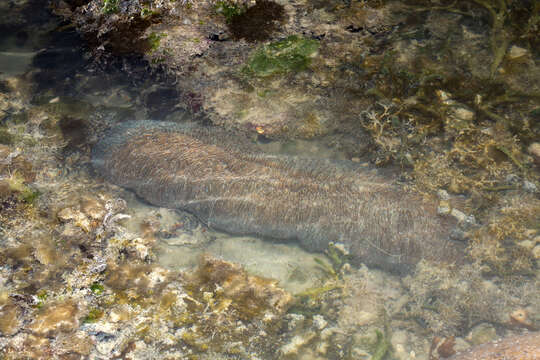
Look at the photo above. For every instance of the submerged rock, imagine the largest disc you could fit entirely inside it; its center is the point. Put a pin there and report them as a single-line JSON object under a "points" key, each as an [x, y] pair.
{"points": [[232, 188], [522, 347]]}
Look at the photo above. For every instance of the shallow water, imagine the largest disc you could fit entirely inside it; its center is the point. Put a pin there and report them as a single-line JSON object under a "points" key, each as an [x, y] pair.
{"points": [[340, 310]]}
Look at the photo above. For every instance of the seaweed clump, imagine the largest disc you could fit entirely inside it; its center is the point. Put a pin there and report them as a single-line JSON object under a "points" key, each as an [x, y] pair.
{"points": [[229, 10], [504, 245], [451, 300], [292, 54], [258, 22]]}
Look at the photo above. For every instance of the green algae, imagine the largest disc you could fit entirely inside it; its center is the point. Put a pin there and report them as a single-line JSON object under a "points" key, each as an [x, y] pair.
{"points": [[110, 7], [25, 193], [292, 54], [41, 296], [6, 137], [382, 347], [93, 315], [147, 12], [97, 288], [229, 10], [309, 301], [154, 39]]}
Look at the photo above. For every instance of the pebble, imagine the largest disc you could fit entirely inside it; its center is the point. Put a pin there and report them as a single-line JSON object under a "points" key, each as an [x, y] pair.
{"points": [[443, 208], [536, 252], [462, 218], [530, 186], [296, 343], [443, 195], [71, 214], [481, 334], [527, 244], [512, 179], [463, 114], [517, 52], [534, 150], [319, 322]]}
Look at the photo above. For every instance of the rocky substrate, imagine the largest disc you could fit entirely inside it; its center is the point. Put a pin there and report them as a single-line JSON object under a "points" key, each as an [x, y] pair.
{"points": [[79, 279], [452, 101]]}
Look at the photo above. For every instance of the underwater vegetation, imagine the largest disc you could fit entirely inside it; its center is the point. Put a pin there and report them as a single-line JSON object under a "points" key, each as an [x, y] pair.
{"points": [[229, 10], [229, 186], [453, 125], [504, 244], [291, 54], [451, 300], [510, 21], [110, 6]]}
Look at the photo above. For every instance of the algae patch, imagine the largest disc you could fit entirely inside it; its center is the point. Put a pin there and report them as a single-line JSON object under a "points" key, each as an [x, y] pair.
{"points": [[110, 6], [292, 54], [229, 10]]}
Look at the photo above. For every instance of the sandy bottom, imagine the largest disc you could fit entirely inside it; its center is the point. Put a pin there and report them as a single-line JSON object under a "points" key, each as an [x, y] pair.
{"points": [[294, 268]]}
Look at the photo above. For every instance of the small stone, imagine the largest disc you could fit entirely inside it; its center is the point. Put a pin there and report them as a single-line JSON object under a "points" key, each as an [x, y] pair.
{"points": [[517, 52], [482, 334], [341, 248], [488, 131], [296, 343], [71, 214], [443, 95], [461, 344], [458, 234], [443, 208], [120, 313], [530, 186], [536, 252], [78, 343], [295, 321], [319, 322], [527, 244], [326, 333], [512, 179], [92, 208], [360, 354], [443, 195], [322, 348], [399, 341], [462, 218], [463, 114], [534, 150]]}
